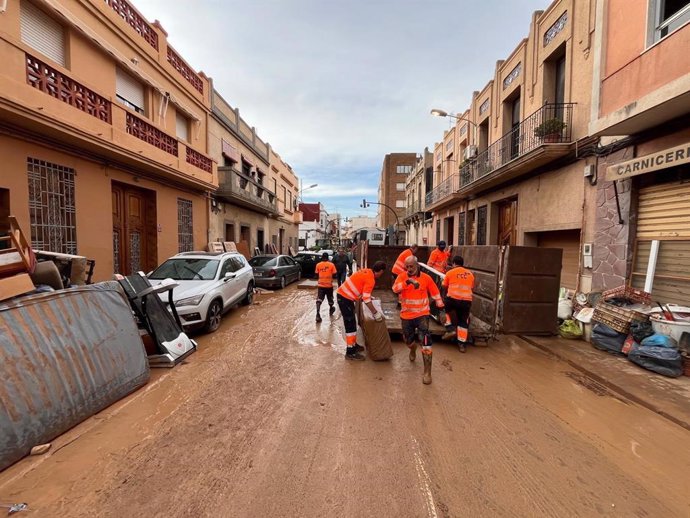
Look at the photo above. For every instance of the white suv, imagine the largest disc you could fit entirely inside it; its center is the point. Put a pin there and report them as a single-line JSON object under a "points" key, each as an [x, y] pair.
{"points": [[208, 285]]}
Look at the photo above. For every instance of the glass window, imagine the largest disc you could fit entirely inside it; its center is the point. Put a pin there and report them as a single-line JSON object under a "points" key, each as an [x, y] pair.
{"points": [[263, 260], [669, 16], [40, 32], [187, 269], [182, 126], [129, 91], [400, 204], [399, 186], [403, 169]]}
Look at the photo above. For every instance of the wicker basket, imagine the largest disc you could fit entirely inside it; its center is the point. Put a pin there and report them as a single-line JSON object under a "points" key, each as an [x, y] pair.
{"points": [[616, 317], [628, 293]]}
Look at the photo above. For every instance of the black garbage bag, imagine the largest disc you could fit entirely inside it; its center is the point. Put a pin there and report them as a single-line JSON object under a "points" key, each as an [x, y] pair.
{"points": [[607, 339], [641, 329], [662, 360]]}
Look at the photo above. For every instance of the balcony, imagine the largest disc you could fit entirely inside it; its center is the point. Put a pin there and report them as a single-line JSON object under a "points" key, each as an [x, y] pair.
{"points": [[539, 139], [414, 212], [236, 188], [130, 15]]}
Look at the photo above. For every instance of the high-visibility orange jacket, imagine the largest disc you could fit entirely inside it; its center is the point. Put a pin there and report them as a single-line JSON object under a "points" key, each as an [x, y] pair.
{"points": [[459, 283], [359, 285], [326, 270], [399, 265], [414, 302], [438, 260]]}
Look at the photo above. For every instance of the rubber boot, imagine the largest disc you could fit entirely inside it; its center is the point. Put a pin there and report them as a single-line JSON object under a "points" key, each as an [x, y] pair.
{"points": [[413, 351], [461, 347], [331, 310], [426, 379]]}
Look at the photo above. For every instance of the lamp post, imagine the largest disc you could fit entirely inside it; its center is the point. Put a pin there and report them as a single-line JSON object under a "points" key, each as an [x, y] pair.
{"points": [[301, 190], [436, 112], [366, 204]]}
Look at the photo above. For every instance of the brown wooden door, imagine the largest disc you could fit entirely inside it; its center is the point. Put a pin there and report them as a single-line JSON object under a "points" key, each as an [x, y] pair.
{"points": [[133, 230], [507, 223]]}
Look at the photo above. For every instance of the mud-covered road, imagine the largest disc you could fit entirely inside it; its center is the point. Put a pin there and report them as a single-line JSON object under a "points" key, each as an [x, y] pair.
{"points": [[267, 419]]}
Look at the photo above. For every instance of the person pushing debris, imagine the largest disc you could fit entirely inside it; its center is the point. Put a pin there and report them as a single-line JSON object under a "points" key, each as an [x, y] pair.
{"points": [[459, 283], [325, 271], [414, 288]]}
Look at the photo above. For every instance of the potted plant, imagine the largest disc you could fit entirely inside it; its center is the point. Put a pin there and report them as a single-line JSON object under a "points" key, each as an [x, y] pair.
{"points": [[550, 130]]}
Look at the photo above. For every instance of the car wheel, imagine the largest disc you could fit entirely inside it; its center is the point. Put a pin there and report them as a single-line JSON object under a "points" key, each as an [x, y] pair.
{"points": [[213, 317], [249, 297], [282, 282], [299, 276]]}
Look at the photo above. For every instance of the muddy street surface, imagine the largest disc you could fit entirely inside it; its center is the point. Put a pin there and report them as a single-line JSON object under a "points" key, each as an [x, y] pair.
{"points": [[268, 419]]}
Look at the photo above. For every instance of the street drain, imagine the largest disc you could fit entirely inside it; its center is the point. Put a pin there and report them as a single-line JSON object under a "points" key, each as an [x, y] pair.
{"points": [[589, 383]]}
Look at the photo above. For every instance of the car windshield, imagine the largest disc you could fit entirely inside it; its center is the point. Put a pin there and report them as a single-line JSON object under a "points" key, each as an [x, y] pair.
{"points": [[263, 261], [186, 269]]}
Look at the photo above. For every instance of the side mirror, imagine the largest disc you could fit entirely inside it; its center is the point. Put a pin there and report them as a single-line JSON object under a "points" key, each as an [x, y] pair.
{"points": [[230, 275]]}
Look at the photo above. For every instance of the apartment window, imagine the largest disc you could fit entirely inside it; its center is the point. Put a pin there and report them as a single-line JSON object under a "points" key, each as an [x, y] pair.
{"points": [[129, 91], [667, 16], [182, 126], [185, 227], [40, 32], [400, 204], [400, 187], [289, 204], [52, 207], [246, 168], [284, 197], [403, 169]]}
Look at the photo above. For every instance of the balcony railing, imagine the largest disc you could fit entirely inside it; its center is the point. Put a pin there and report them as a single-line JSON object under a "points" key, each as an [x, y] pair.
{"points": [[236, 187], [444, 189], [551, 124], [197, 159], [54, 83], [185, 70], [148, 133], [135, 20], [414, 208]]}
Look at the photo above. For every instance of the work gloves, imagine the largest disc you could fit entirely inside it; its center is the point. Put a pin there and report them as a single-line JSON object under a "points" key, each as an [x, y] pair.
{"points": [[413, 283], [378, 317]]}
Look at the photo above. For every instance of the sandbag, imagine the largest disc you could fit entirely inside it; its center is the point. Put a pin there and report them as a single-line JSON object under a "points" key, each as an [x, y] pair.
{"points": [[658, 340], [607, 339], [376, 338], [662, 360]]}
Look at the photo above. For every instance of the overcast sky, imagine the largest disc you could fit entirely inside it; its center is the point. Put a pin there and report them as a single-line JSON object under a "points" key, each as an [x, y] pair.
{"points": [[336, 85]]}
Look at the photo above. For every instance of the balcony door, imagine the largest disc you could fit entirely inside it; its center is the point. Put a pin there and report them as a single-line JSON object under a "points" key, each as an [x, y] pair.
{"points": [[507, 222], [134, 229], [515, 128]]}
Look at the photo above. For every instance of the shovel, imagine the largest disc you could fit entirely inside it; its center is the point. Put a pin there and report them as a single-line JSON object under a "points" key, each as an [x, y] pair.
{"points": [[667, 313]]}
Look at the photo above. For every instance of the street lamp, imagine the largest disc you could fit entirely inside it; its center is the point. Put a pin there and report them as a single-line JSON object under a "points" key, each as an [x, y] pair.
{"points": [[436, 112], [366, 204]]}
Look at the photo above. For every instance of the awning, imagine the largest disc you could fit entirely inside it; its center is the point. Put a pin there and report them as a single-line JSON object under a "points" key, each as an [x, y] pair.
{"points": [[230, 151], [248, 159]]}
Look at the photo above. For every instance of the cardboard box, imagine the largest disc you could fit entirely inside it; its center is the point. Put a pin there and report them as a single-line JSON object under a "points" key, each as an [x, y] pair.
{"points": [[15, 285]]}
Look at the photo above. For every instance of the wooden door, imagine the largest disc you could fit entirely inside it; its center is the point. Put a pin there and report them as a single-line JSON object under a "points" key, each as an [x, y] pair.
{"points": [[507, 223], [133, 230]]}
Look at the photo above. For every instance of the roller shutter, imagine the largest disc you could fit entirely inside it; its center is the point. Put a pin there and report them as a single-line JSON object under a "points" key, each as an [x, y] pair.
{"points": [[129, 91], [40, 32], [569, 242], [182, 126], [664, 215]]}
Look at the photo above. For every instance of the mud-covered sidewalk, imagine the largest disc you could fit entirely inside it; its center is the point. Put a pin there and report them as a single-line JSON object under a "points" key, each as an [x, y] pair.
{"points": [[267, 419]]}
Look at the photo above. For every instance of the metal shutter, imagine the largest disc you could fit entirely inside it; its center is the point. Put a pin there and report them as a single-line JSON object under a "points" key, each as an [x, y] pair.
{"points": [[40, 32], [182, 124], [664, 215], [130, 90], [569, 242]]}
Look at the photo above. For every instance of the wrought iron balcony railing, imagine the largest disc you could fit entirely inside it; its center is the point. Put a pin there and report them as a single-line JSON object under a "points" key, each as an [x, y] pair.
{"points": [[414, 208], [550, 124], [235, 186], [447, 187]]}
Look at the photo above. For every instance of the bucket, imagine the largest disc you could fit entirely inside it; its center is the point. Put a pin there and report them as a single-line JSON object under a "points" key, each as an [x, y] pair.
{"points": [[668, 328]]}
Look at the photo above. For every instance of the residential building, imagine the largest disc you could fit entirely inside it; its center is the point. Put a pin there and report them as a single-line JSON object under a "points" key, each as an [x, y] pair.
{"points": [[391, 192], [314, 224], [102, 133], [418, 184], [284, 234], [640, 107], [357, 223], [510, 171]]}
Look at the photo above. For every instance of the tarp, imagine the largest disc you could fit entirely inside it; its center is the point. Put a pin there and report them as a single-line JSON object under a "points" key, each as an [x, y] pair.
{"points": [[64, 356]]}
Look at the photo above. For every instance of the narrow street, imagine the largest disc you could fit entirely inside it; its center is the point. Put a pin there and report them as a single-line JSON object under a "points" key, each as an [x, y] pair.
{"points": [[267, 419]]}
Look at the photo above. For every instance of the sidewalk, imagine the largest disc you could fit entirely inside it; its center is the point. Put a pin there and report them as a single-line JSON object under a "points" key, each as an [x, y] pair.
{"points": [[669, 397]]}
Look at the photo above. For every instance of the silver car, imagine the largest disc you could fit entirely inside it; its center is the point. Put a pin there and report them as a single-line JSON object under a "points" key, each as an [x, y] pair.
{"points": [[274, 271]]}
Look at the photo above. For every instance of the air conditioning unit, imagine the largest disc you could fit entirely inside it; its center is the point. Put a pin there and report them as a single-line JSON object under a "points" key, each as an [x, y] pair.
{"points": [[470, 152]]}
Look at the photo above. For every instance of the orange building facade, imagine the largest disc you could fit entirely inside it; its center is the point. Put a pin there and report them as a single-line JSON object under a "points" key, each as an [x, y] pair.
{"points": [[103, 134]]}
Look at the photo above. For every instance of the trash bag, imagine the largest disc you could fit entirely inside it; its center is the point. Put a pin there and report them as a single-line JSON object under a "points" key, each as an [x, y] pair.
{"points": [[662, 360], [640, 330], [376, 338], [657, 340], [607, 339], [570, 329]]}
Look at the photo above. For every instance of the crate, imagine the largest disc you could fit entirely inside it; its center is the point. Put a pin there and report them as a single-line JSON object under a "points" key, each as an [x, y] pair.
{"points": [[616, 317], [628, 293]]}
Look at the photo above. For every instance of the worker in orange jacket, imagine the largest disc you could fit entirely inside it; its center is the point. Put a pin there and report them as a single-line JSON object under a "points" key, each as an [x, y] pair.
{"points": [[415, 288], [399, 266], [459, 283], [325, 270], [358, 286], [438, 259]]}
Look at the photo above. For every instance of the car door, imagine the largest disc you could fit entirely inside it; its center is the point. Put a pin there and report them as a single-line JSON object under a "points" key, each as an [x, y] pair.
{"points": [[237, 284], [228, 284]]}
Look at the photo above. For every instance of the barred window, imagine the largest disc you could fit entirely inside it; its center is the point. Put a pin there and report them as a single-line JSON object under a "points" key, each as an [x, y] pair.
{"points": [[461, 228], [185, 228], [52, 207], [481, 225]]}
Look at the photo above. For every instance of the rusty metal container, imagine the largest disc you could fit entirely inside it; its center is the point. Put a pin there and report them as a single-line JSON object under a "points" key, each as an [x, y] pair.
{"points": [[64, 356]]}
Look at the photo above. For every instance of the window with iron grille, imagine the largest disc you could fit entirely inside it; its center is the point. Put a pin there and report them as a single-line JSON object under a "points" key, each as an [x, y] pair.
{"points": [[185, 228], [52, 207], [481, 225], [461, 228]]}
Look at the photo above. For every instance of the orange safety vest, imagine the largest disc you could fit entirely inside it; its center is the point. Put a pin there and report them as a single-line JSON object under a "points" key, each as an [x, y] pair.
{"points": [[438, 260], [326, 270], [399, 265], [459, 283], [358, 285], [414, 302]]}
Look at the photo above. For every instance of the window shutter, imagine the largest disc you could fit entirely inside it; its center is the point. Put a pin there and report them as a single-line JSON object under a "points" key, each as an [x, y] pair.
{"points": [[129, 89], [40, 32], [182, 127]]}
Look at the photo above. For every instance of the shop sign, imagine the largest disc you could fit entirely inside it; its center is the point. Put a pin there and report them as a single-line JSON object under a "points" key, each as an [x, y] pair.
{"points": [[648, 163]]}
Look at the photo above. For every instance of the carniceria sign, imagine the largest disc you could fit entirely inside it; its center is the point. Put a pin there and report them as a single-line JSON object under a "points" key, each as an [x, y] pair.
{"points": [[648, 163]]}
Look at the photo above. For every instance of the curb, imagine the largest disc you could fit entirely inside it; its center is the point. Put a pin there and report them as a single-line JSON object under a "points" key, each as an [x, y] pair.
{"points": [[608, 384]]}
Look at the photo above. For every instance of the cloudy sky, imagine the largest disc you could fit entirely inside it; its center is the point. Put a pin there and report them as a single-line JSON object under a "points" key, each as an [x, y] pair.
{"points": [[335, 85]]}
